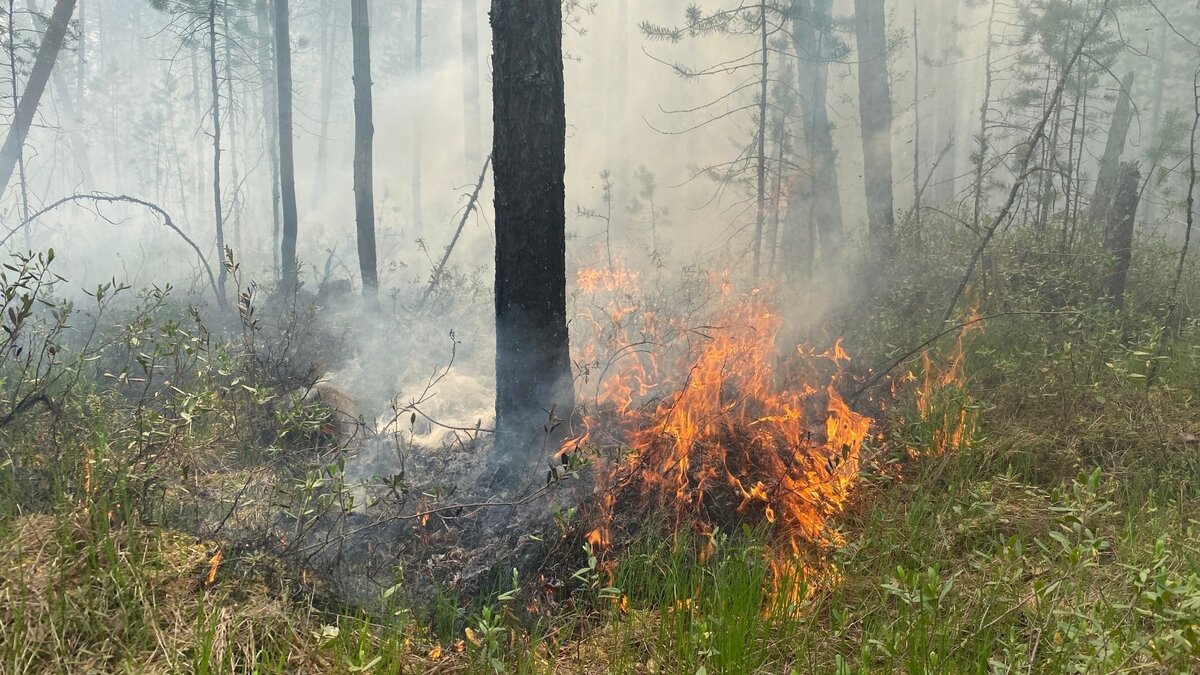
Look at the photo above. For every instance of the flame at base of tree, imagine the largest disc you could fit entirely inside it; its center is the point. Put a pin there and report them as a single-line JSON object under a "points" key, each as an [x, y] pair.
{"points": [[723, 428]]}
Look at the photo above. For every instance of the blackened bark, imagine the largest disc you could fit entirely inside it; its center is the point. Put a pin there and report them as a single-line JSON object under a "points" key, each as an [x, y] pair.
{"points": [[1118, 236], [43, 65], [533, 367], [287, 162], [364, 135], [875, 111]]}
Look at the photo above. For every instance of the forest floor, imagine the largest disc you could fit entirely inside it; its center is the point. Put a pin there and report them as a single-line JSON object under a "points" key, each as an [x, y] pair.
{"points": [[1056, 534]]}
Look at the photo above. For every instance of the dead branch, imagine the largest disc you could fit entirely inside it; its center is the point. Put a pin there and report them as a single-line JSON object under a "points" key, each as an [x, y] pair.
{"points": [[110, 199], [472, 203]]}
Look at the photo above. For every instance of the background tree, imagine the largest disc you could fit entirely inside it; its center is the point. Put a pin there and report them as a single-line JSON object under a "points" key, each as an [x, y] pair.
{"points": [[875, 114], [364, 135], [287, 161]]}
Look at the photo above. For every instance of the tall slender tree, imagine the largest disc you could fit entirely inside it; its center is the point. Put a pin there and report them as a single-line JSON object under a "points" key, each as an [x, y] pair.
{"points": [[533, 366], [364, 134], [215, 111], [816, 47], [287, 161], [266, 66], [875, 112]]}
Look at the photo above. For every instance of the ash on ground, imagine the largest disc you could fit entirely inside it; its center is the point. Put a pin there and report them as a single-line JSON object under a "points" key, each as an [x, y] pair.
{"points": [[409, 521]]}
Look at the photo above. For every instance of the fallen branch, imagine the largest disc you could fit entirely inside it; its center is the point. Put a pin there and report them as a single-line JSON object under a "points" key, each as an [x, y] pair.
{"points": [[110, 199], [1026, 162], [471, 205]]}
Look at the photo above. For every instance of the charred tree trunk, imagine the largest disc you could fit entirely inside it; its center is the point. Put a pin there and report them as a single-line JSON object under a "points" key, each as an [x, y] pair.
{"points": [[472, 115], [1118, 236], [43, 65], [875, 111], [287, 162], [364, 135], [1110, 163], [533, 366]]}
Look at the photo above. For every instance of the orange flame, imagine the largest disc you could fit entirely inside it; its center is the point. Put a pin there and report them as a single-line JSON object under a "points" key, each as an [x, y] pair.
{"points": [[951, 420], [711, 424]]}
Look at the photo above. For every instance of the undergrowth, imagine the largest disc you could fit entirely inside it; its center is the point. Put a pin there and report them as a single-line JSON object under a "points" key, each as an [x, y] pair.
{"points": [[1056, 533]]}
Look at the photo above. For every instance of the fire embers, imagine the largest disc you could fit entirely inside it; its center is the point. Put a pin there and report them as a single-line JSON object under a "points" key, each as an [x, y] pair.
{"points": [[724, 431]]}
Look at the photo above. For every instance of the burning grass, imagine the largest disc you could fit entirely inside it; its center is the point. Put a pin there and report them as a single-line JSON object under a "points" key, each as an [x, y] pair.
{"points": [[720, 426]]}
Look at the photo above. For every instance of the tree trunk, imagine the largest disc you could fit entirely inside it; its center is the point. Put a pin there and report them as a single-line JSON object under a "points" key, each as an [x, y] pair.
{"points": [[364, 134], [235, 206], [875, 111], [43, 65], [1118, 237], [215, 81], [1114, 147], [287, 162], [533, 366], [812, 38], [266, 64], [472, 115]]}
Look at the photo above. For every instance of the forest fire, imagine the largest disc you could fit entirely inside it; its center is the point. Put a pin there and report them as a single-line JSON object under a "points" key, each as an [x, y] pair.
{"points": [[714, 425]]}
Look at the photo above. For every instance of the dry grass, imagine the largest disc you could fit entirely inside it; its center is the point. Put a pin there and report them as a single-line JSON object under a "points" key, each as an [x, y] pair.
{"points": [[83, 601]]}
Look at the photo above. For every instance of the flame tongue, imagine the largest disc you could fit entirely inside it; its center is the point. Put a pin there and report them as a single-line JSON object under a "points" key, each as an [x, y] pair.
{"points": [[726, 441]]}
